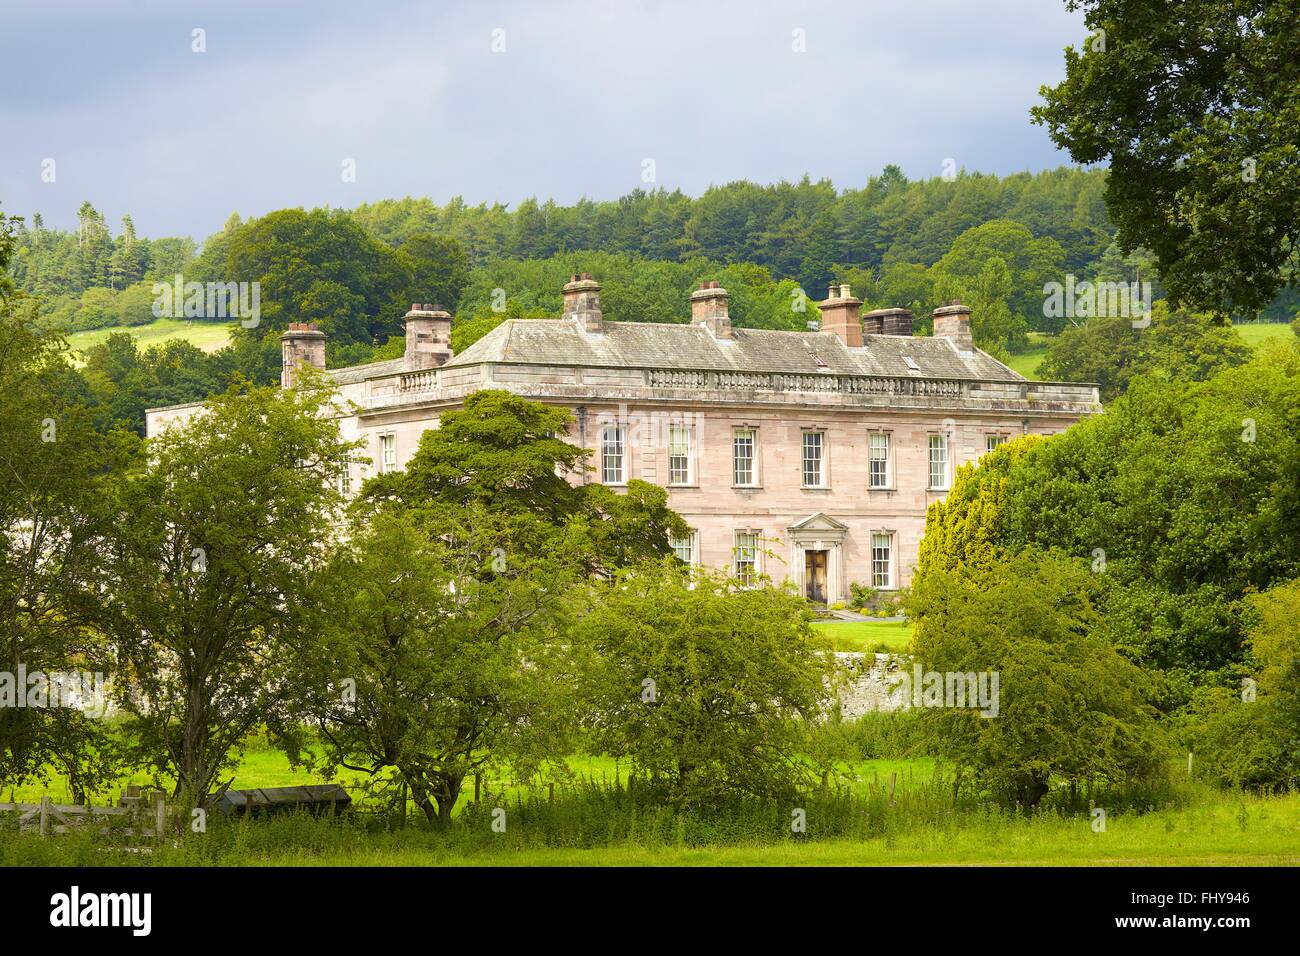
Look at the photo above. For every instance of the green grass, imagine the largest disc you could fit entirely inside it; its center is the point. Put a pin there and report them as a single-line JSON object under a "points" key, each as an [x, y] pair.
{"points": [[919, 828], [208, 336], [1026, 363], [1257, 333], [592, 822], [1200, 835], [884, 636]]}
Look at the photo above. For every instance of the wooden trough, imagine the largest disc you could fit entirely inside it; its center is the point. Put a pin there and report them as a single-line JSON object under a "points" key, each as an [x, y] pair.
{"points": [[317, 799]]}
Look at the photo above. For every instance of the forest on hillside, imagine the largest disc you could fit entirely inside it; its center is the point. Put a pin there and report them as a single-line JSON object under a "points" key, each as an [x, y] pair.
{"points": [[991, 242]]}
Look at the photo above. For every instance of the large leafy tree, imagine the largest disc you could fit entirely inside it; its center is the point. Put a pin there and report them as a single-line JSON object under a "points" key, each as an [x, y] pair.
{"points": [[708, 689], [438, 269], [1068, 705], [1248, 734], [318, 266], [1182, 496], [965, 531], [441, 651], [507, 453], [123, 381], [1196, 107], [1029, 263], [207, 570], [52, 463]]}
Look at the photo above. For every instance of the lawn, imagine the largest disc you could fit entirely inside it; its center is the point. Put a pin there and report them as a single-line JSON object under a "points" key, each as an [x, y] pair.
{"points": [[209, 336], [881, 636], [264, 767]]}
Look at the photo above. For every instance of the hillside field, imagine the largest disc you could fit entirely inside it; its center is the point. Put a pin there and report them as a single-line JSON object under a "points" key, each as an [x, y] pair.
{"points": [[209, 336]]}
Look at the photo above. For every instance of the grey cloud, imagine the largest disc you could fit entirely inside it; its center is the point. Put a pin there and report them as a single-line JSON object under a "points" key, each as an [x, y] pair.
{"points": [[583, 94]]}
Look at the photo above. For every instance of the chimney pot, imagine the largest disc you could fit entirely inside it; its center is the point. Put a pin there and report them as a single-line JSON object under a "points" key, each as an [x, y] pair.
{"points": [[841, 315], [888, 322], [302, 344], [952, 322], [709, 309], [582, 301]]}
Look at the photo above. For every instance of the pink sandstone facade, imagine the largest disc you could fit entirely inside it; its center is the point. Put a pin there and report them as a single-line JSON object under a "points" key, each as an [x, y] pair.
{"points": [[809, 456]]}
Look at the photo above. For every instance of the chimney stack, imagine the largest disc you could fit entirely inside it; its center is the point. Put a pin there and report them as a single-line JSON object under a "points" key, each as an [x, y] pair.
{"points": [[709, 309], [582, 302], [888, 322], [841, 314], [302, 344], [428, 336], [953, 322]]}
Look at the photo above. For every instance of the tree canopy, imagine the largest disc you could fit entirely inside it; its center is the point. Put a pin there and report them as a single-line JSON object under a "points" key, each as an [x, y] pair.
{"points": [[1195, 106]]}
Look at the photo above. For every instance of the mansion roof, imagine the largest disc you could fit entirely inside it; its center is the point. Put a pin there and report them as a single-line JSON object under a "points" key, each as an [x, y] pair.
{"points": [[670, 346]]}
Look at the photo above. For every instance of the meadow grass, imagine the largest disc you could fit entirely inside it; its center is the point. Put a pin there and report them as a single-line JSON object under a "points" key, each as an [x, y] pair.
{"points": [[884, 807], [1026, 363], [884, 636], [603, 826], [1257, 333], [209, 336]]}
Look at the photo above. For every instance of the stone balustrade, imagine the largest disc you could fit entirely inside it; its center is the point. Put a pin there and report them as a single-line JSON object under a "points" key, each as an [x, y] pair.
{"points": [[793, 383]]}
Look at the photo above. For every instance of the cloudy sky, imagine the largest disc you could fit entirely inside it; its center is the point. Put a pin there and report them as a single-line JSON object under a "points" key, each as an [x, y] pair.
{"points": [[501, 100]]}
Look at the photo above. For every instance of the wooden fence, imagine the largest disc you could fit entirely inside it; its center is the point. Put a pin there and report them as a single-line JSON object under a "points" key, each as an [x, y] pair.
{"points": [[134, 817]]}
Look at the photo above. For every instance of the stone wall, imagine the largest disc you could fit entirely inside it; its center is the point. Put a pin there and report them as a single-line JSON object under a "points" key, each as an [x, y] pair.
{"points": [[873, 682]]}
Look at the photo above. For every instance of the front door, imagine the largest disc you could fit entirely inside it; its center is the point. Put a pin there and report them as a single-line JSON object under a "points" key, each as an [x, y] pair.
{"points": [[814, 575]]}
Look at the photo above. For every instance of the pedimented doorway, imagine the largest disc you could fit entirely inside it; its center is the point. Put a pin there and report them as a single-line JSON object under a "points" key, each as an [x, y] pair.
{"points": [[817, 557]]}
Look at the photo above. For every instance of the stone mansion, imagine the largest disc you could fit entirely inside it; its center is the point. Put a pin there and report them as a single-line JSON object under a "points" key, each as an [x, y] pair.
{"points": [[809, 456]]}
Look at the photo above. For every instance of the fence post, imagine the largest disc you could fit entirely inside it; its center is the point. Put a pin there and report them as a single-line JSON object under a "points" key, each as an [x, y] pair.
{"points": [[893, 779], [45, 815], [159, 815]]}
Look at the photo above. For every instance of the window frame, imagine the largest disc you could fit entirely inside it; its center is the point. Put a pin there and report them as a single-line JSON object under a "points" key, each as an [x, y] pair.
{"points": [[620, 441], [751, 578], [752, 432], [944, 446], [387, 452], [890, 551], [822, 469], [689, 432], [887, 479], [692, 542]]}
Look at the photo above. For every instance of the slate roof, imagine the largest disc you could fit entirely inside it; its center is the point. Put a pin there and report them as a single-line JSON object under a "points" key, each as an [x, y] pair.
{"points": [[670, 346], [359, 373]]}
